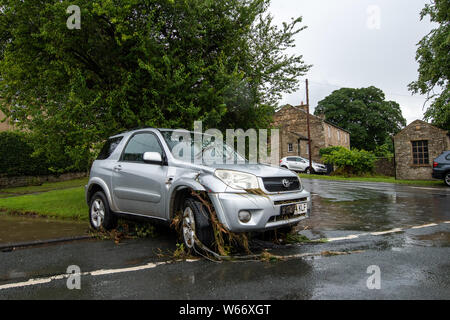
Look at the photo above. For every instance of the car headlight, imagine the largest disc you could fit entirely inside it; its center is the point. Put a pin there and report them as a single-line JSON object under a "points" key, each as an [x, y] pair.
{"points": [[237, 179]]}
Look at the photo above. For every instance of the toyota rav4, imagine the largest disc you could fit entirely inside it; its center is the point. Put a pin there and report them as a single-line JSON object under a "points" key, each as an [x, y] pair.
{"points": [[141, 173]]}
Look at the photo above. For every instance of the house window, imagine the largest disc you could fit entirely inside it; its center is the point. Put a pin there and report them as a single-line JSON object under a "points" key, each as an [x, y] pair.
{"points": [[290, 147], [420, 152], [329, 132], [339, 136]]}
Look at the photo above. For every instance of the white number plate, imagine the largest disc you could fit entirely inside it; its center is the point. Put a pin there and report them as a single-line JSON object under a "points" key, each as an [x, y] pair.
{"points": [[301, 208]]}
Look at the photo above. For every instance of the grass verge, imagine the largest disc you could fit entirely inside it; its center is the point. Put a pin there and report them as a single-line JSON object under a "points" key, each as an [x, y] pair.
{"points": [[63, 204], [436, 183], [48, 186]]}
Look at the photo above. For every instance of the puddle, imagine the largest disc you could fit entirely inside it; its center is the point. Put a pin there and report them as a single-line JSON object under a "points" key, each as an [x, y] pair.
{"points": [[23, 229], [438, 239], [373, 207]]}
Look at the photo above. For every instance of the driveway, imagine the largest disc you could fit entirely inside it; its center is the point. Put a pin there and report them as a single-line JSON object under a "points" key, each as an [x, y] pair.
{"points": [[401, 232]]}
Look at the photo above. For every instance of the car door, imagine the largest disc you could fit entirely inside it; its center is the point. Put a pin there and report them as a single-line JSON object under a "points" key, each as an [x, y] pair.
{"points": [[301, 164], [291, 163], [139, 187]]}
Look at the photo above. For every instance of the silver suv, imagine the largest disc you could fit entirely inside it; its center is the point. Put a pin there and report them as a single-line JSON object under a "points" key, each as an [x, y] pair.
{"points": [[138, 174]]}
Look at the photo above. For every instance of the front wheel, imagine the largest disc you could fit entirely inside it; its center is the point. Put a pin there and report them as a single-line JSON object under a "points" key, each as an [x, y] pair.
{"points": [[447, 179], [309, 170], [196, 222], [100, 214]]}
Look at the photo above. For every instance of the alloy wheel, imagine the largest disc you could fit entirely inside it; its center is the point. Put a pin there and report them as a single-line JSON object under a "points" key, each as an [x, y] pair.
{"points": [[97, 213], [188, 227]]}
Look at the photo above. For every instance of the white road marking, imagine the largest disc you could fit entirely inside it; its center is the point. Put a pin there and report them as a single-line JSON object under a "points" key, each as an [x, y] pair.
{"points": [[33, 282], [379, 233], [425, 226], [352, 236], [435, 189], [386, 232]]}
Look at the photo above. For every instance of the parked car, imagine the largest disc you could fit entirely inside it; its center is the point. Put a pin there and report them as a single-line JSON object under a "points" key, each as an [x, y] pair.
{"points": [[137, 174], [299, 164], [441, 167]]}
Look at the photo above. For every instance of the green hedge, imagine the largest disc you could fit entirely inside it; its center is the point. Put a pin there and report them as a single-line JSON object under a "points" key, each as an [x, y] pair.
{"points": [[16, 156], [350, 162], [329, 150]]}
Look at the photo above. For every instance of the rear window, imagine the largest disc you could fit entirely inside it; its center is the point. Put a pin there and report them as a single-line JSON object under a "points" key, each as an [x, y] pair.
{"points": [[291, 159], [108, 148]]}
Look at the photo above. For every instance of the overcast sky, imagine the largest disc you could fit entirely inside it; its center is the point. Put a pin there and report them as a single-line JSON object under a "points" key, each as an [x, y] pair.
{"points": [[351, 45]]}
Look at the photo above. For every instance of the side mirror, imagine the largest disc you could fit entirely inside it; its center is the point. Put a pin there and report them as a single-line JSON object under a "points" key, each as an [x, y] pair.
{"points": [[153, 158]]}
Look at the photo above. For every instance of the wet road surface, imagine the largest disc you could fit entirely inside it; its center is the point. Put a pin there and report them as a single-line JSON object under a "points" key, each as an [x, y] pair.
{"points": [[413, 256], [16, 229]]}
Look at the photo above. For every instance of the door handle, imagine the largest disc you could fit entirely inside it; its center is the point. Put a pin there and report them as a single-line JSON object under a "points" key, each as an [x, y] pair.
{"points": [[118, 168]]}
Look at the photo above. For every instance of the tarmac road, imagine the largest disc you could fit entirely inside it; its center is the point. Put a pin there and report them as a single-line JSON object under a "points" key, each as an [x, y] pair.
{"points": [[403, 231]]}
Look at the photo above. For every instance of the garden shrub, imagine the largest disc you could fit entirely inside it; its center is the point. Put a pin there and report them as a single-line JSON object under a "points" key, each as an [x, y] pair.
{"points": [[329, 150], [16, 156], [19, 156], [351, 162]]}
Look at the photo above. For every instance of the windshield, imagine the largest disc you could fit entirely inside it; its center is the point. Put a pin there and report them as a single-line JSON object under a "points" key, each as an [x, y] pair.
{"points": [[200, 148]]}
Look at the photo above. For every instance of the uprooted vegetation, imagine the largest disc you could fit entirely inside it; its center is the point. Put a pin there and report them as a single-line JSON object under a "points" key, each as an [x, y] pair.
{"points": [[226, 246], [233, 246], [225, 243], [128, 230]]}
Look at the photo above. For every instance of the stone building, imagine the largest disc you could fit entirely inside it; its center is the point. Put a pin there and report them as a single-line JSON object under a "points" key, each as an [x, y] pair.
{"points": [[292, 122], [415, 148]]}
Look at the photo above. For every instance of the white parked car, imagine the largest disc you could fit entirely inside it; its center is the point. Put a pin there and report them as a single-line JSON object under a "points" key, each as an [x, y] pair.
{"points": [[299, 164]]}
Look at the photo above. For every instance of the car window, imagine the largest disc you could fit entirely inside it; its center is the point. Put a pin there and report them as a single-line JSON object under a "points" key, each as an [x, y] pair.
{"points": [[139, 144], [290, 159], [447, 157], [108, 148]]}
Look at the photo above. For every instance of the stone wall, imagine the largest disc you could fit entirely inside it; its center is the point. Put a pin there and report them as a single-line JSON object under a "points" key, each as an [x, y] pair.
{"points": [[438, 141], [22, 181], [385, 167]]}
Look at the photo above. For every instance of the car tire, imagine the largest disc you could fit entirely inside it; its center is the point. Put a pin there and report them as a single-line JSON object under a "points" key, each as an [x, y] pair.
{"points": [[100, 215], [284, 167], [447, 179], [196, 221], [309, 170]]}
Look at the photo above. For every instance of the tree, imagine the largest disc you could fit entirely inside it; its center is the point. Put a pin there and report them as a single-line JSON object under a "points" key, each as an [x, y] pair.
{"points": [[370, 119], [133, 63], [433, 56]]}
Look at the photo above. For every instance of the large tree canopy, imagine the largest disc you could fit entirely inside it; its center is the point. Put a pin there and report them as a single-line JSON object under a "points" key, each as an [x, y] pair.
{"points": [[364, 112], [433, 56], [133, 63]]}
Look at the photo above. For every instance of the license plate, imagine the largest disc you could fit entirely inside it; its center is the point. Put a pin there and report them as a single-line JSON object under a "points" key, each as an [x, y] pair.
{"points": [[301, 208], [295, 209]]}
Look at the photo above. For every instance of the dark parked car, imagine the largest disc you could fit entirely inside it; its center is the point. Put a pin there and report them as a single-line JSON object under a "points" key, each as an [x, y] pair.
{"points": [[441, 167]]}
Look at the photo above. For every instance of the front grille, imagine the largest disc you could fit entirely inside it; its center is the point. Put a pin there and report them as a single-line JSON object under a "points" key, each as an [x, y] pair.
{"points": [[277, 203], [276, 184]]}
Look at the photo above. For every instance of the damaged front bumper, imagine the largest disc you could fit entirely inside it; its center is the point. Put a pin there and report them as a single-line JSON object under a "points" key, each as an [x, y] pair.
{"points": [[266, 212]]}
